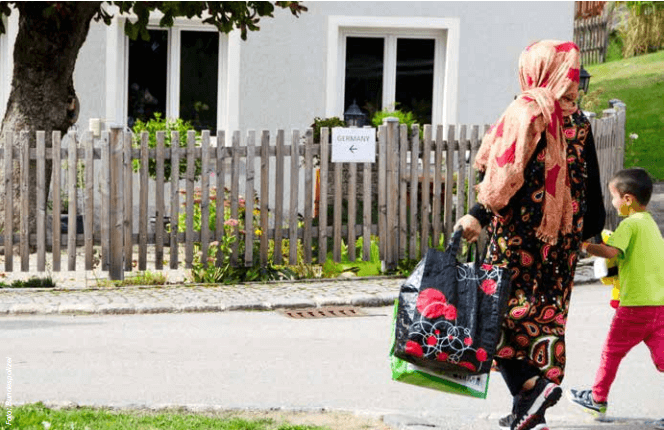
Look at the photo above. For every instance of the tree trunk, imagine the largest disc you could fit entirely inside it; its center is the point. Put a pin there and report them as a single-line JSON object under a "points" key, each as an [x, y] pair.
{"points": [[42, 92]]}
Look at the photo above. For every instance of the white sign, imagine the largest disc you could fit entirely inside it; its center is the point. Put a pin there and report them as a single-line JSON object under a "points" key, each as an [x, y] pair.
{"points": [[353, 145]]}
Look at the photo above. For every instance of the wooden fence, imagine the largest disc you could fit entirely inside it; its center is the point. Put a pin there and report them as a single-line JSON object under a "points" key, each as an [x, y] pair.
{"points": [[423, 186], [609, 134], [591, 35]]}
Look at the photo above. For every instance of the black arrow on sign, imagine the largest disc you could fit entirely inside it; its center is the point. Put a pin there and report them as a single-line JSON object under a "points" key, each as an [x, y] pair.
{"points": [[353, 149]]}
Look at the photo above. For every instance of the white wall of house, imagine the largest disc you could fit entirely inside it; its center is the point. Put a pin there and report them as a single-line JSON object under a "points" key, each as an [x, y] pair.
{"points": [[280, 76]]}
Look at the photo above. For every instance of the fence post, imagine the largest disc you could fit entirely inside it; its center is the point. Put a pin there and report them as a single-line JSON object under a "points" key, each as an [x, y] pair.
{"points": [[391, 185], [116, 267]]}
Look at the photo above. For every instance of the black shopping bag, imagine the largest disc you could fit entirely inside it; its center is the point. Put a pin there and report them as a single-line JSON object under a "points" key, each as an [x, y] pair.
{"points": [[449, 313]]}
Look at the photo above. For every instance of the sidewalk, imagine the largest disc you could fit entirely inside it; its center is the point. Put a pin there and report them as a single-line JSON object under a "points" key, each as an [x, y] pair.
{"points": [[77, 293]]}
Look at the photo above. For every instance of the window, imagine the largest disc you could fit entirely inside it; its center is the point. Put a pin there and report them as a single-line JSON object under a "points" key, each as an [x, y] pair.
{"points": [[188, 71], [177, 80], [412, 75], [407, 63]]}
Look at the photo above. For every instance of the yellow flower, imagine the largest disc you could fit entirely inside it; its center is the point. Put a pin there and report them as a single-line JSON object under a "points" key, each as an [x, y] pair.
{"points": [[258, 232]]}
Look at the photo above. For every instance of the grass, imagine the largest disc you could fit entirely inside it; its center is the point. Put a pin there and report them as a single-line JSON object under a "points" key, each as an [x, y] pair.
{"points": [[142, 278], [39, 417], [639, 83], [30, 283]]}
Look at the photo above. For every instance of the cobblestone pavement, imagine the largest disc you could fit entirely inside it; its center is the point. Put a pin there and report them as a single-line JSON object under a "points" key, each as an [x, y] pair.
{"points": [[128, 300], [75, 293]]}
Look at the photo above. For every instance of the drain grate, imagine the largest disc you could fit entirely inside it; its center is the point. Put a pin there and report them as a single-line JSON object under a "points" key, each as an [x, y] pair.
{"points": [[324, 312]]}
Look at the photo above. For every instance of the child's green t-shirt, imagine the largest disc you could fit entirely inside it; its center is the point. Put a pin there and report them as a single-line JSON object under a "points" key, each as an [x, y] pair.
{"points": [[641, 262]]}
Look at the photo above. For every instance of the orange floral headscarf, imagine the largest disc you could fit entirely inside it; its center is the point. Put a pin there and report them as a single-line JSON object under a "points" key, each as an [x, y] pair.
{"points": [[549, 77]]}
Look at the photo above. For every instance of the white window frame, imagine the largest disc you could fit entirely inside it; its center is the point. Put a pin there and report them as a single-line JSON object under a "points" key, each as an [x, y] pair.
{"points": [[117, 68], [444, 31], [7, 42]]}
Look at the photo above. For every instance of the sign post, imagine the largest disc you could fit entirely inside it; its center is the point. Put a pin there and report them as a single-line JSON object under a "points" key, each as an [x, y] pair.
{"points": [[353, 145]]}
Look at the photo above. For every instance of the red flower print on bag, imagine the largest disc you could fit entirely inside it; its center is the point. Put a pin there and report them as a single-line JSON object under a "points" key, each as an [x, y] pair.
{"points": [[450, 312], [489, 286], [481, 355], [414, 348], [431, 303]]}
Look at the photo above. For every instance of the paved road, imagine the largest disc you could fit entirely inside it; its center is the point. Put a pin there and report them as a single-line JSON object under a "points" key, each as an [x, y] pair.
{"points": [[263, 359]]}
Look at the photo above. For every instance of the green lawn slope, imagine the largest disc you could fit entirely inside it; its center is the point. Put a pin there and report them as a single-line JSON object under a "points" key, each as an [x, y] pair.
{"points": [[639, 83]]}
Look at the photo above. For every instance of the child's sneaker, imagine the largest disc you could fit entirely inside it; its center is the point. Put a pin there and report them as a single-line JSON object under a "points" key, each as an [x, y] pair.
{"points": [[584, 398], [532, 405]]}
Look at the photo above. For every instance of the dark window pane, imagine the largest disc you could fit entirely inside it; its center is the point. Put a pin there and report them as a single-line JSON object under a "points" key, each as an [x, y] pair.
{"points": [[147, 77], [414, 91], [364, 73], [198, 78]]}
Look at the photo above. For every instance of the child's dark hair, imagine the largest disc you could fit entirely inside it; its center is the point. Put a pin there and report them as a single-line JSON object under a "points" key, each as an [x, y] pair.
{"points": [[634, 181]]}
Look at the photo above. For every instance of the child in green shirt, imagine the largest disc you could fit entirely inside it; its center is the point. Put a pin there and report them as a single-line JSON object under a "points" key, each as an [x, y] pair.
{"points": [[639, 247]]}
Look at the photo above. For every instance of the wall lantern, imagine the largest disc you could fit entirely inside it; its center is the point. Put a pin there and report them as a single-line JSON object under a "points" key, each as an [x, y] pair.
{"points": [[584, 80], [353, 116]]}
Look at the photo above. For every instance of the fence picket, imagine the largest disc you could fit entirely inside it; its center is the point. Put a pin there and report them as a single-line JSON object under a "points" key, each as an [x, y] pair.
{"points": [[24, 232], [294, 194], [279, 198], [41, 201], [116, 204], [392, 172], [308, 192], [338, 195], [249, 200], [72, 164], [205, 195], [221, 193], [143, 205], [159, 202], [175, 198], [322, 198], [438, 184], [9, 202], [414, 175], [128, 198], [189, 199], [366, 215], [403, 190], [449, 181], [265, 196], [425, 187], [105, 190], [235, 196], [461, 173], [88, 218], [352, 209]]}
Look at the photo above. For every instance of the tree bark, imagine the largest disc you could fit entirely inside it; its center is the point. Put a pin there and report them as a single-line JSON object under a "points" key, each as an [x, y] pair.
{"points": [[42, 92]]}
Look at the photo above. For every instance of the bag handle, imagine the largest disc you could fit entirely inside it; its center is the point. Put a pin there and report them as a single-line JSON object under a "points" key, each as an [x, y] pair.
{"points": [[455, 244]]}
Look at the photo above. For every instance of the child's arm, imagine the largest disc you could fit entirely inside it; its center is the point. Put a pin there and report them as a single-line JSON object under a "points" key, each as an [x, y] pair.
{"points": [[600, 250]]}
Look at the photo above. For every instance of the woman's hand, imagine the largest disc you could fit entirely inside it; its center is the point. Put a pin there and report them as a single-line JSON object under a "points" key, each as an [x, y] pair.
{"points": [[471, 227]]}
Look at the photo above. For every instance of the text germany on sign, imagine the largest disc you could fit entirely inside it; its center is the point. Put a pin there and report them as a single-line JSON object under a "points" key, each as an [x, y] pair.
{"points": [[353, 145]]}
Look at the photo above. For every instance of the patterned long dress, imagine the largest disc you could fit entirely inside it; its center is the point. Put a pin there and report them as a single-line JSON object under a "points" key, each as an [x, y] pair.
{"points": [[542, 275]]}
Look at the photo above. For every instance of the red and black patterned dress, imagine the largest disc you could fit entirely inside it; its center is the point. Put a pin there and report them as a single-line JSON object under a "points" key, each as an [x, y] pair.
{"points": [[542, 275]]}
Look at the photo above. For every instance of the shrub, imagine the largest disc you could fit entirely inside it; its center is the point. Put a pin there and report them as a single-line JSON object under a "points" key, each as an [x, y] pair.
{"points": [[325, 122], [168, 126]]}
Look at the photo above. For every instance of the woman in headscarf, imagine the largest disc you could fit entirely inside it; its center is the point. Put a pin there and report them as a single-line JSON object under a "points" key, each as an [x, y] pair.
{"points": [[540, 197]]}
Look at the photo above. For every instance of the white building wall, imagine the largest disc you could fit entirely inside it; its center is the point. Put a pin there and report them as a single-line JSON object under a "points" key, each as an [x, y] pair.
{"points": [[282, 70]]}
